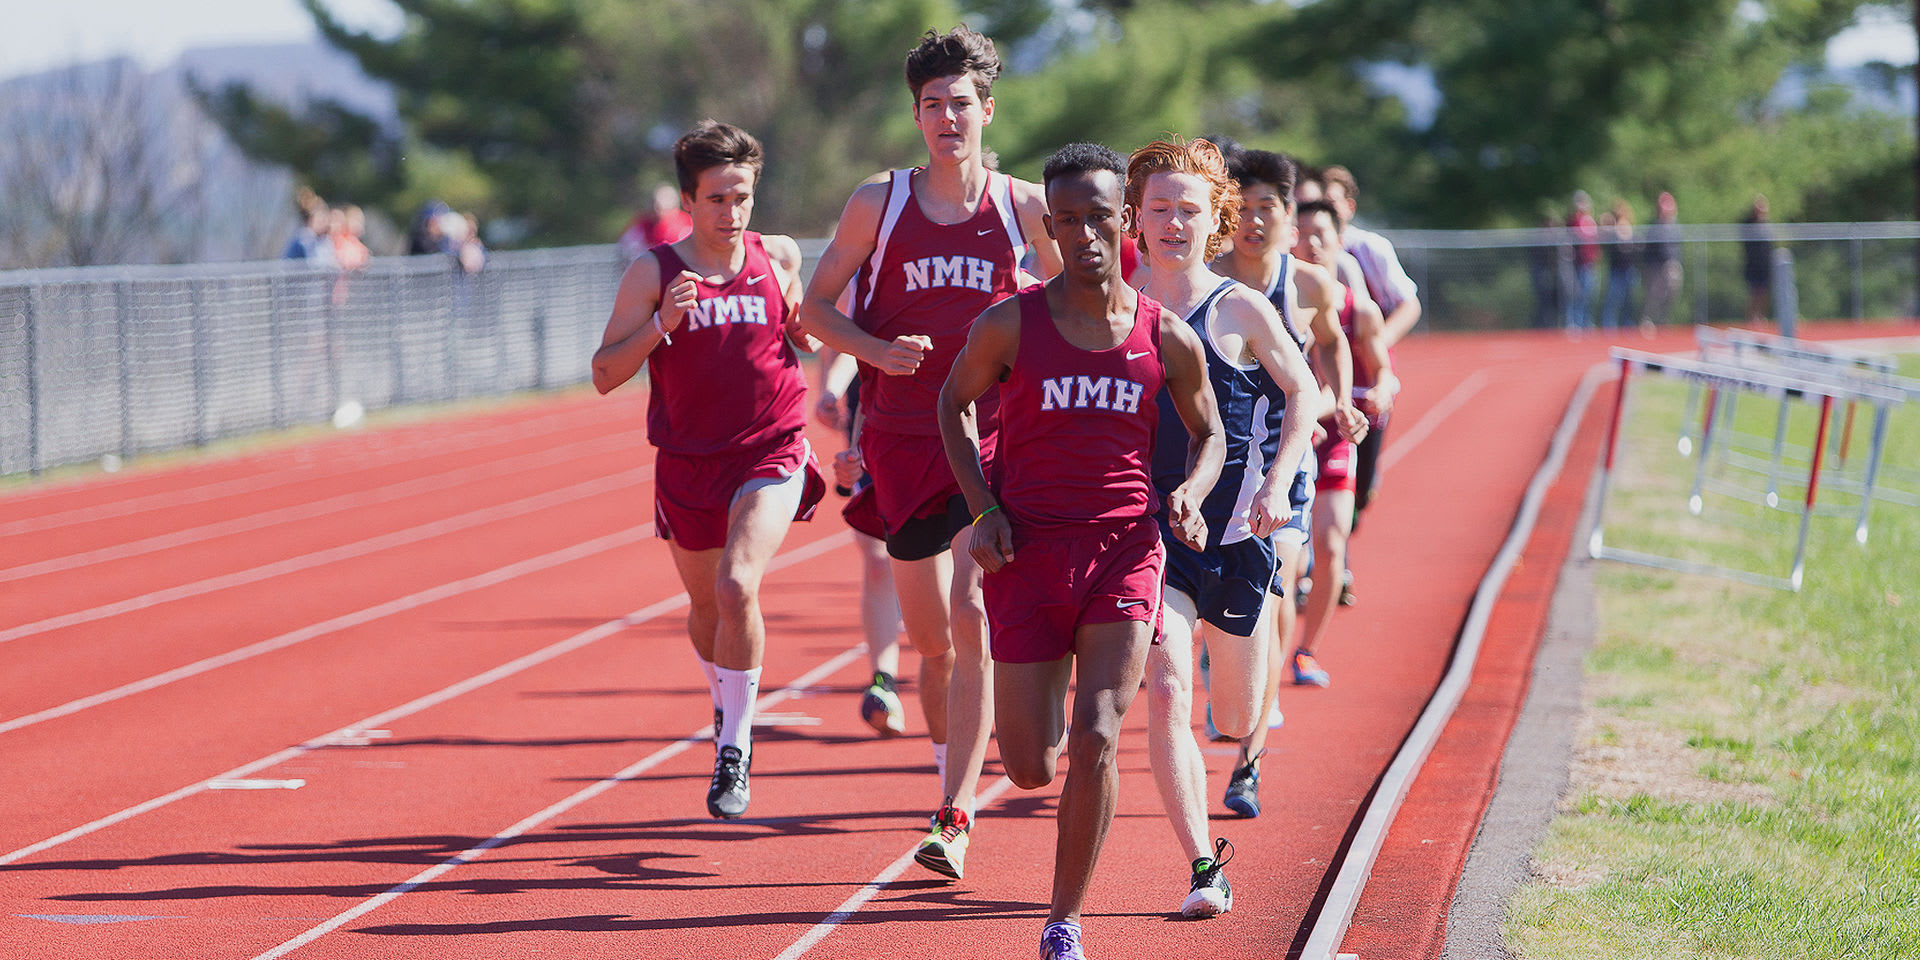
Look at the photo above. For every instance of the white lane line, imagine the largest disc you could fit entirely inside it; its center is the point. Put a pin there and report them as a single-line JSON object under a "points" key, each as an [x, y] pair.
{"points": [[382, 720], [1424, 428], [860, 897], [1330, 928], [430, 483], [342, 622], [358, 548], [478, 850], [274, 476]]}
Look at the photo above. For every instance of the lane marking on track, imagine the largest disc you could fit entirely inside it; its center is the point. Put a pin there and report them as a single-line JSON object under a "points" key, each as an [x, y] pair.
{"points": [[347, 551], [860, 897], [595, 789], [431, 483], [1437, 414], [276, 477], [382, 720], [378, 611], [1336, 913]]}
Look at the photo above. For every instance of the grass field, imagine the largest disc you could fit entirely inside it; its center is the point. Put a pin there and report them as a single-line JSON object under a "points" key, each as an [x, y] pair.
{"points": [[1746, 781]]}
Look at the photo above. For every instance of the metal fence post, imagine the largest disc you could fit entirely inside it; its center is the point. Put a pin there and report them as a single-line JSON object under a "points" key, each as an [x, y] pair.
{"points": [[201, 374], [276, 381], [34, 454], [122, 293], [1856, 257], [1700, 309]]}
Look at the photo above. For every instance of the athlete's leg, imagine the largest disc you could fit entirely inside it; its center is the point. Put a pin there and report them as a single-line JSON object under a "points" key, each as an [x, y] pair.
{"points": [[1275, 632], [1179, 770], [923, 588], [1112, 657], [1237, 675], [880, 626], [1030, 700], [1332, 522], [879, 607], [970, 680]]}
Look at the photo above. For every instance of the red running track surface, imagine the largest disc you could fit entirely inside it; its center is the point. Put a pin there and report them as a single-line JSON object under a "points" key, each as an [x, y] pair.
{"points": [[445, 666]]}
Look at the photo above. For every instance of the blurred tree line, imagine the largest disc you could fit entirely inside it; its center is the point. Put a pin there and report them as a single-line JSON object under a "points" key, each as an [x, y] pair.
{"points": [[555, 116]]}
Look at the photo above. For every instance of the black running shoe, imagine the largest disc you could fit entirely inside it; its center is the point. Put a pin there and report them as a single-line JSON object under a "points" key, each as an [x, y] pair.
{"points": [[1211, 895], [1243, 789], [727, 797]]}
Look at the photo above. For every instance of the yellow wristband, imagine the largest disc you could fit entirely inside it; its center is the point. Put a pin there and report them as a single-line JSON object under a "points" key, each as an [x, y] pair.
{"points": [[983, 513]]}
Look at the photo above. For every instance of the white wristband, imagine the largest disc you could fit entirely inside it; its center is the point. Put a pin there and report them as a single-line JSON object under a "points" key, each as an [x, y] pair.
{"points": [[662, 330]]}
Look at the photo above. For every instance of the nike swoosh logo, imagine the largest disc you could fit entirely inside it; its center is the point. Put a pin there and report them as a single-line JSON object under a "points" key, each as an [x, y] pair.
{"points": [[1238, 616], [1124, 604], [984, 232], [1136, 356], [753, 280]]}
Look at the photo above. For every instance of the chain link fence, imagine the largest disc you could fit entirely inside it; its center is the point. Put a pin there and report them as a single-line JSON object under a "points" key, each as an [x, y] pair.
{"points": [[1506, 279], [129, 360], [123, 361]]}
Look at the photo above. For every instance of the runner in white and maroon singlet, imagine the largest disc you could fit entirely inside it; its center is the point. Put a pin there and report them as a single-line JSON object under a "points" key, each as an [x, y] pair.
{"points": [[1066, 530], [709, 317], [929, 248]]}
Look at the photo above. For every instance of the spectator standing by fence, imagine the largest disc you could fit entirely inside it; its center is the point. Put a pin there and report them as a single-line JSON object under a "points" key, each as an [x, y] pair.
{"points": [[1662, 270], [309, 241], [1623, 265], [1756, 242], [663, 222], [1585, 234]]}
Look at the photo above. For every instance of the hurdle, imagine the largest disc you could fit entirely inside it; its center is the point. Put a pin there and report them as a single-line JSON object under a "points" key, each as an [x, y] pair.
{"points": [[1721, 380], [1883, 389]]}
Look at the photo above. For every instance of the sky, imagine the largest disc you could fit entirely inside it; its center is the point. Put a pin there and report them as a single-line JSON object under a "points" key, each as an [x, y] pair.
{"points": [[46, 33]]}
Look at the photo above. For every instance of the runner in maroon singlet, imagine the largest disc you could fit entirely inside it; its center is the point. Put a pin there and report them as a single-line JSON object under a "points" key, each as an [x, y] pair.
{"points": [[709, 317], [927, 250], [1066, 530]]}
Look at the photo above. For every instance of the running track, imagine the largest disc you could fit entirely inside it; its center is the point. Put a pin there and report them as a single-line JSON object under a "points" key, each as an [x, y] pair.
{"points": [[424, 691]]}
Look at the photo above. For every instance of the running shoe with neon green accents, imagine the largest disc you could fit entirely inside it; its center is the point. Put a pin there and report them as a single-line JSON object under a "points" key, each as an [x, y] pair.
{"points": [[880, 707], [944, 851]]}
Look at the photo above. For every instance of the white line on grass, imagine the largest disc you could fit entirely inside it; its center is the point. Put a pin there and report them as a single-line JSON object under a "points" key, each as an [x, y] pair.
{"points": [[1330, 928], [357, 548], [381, 720], [342, 622]]}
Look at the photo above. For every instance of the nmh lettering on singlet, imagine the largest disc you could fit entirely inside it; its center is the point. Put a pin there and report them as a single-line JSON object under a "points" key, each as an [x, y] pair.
{"points": [[733, 308], [956, 271], [1089, 393]]}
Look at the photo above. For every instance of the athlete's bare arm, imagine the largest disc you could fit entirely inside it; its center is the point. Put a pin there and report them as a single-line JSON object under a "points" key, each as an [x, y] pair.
{"points": [[1192, 395], [785, 254], [632, 331], [1370, 353], [852, 244], [1252, 317], [1320, 294], [1030, 201], [992, 345]]}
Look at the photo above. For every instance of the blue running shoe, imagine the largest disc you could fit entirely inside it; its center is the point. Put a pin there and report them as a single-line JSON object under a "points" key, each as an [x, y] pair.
{"points": [[1307, 671], [1061, 941], [1243, 788]]}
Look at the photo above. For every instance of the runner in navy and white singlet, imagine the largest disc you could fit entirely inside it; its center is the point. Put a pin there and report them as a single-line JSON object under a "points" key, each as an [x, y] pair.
{"points": [[928, 249], [1304, 297], [1189, 206], [709, 317], [1065, 531]]}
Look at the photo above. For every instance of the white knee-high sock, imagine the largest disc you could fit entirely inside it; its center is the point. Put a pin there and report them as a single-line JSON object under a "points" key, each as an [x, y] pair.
{"points": [[738, 690], [713, 681]]}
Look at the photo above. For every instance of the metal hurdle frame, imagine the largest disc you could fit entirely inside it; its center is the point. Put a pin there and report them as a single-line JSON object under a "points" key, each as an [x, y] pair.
{"points": [[1818, 362], [1718, 378]]}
